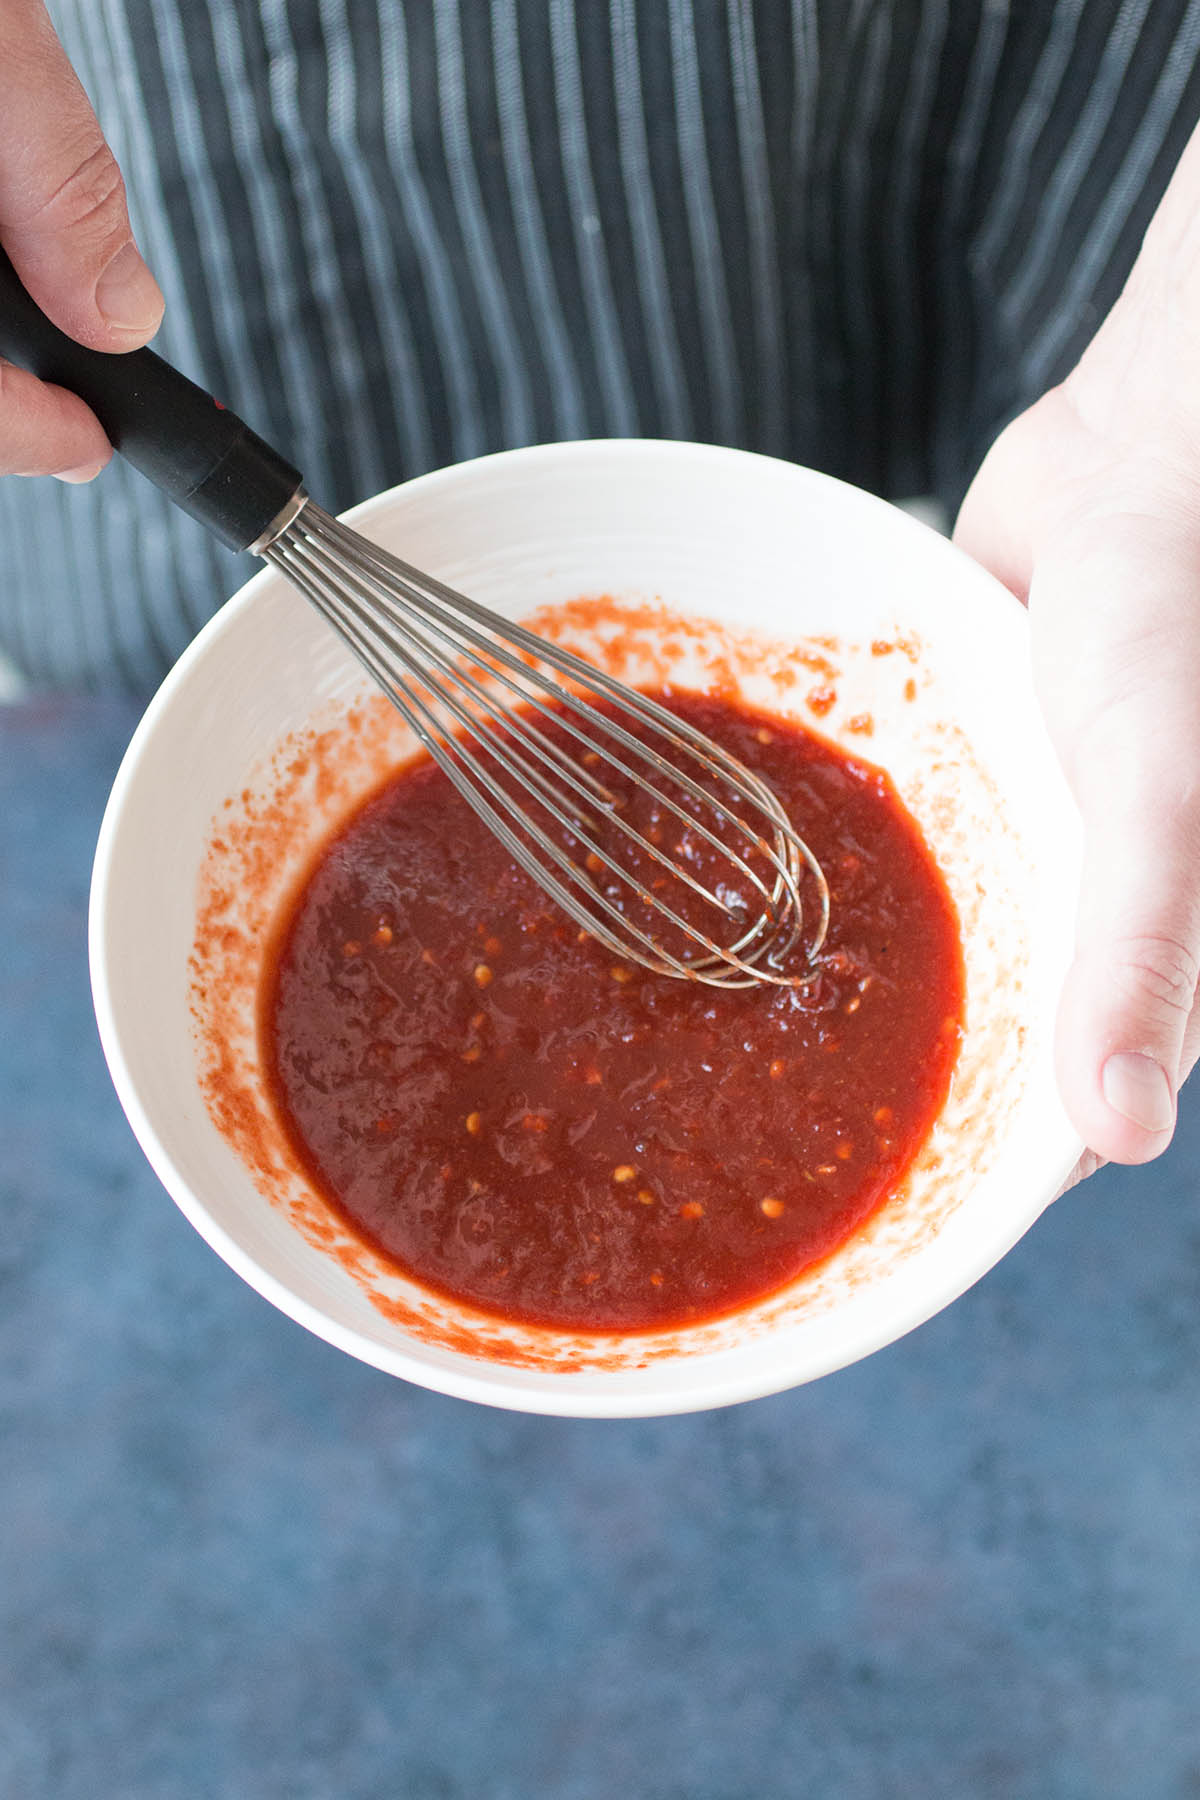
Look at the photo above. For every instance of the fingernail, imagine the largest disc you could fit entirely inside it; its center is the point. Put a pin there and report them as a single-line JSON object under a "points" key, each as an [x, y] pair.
{"points": [[85, 472], [127, 293], [1137, 1088]]}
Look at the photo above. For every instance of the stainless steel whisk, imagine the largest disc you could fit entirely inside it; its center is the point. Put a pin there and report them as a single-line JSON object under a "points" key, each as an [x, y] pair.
{"points": [[530, 734], [479, 691]]}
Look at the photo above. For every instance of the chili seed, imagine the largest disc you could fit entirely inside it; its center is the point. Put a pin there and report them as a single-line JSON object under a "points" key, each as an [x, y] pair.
{"points": [[483, 975], [593, 863], [764, 736], [473, 1054], [475, 1123], [882, 1115], [645, 1196], [351, 947], [777, 1068], [624, 1172], [622, 974], [772, 1207], [493, 946], [691, 1209], [382, 935]]}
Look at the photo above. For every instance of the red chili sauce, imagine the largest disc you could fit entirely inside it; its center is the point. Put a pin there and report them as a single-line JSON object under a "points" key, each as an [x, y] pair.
{"points": [[522, 1123]]}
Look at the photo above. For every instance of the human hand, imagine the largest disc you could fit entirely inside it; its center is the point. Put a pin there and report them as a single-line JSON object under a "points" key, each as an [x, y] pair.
{"points": [[1088, 507], [63, 223]]}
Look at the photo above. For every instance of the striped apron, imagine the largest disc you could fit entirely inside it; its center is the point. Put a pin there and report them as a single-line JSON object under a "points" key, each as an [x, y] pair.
{"points": [[396, 233]]}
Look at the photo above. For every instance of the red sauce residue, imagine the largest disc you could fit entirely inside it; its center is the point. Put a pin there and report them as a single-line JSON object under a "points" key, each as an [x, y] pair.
{"points": [[908, 646], [551, 1137]]}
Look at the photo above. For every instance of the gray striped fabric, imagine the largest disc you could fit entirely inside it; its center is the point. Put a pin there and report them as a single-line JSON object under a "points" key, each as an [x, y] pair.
{"points": [[853, 232]]}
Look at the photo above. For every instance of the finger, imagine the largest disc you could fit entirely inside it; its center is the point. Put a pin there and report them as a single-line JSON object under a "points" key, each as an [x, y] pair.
{"points": [[1117, 656], [63, 219], [46, 431], [1090, 1163]]}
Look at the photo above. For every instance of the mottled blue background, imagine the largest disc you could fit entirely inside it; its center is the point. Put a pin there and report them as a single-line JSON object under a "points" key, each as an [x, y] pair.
{"points": [[236, 1565]]}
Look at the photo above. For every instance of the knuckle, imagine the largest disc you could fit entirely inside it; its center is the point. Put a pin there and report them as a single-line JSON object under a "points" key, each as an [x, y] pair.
{"points": [[1160, 974], [92, 195]]}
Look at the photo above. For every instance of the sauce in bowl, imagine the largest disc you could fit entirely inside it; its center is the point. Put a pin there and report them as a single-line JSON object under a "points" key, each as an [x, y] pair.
{"points": [[521, 1122]]}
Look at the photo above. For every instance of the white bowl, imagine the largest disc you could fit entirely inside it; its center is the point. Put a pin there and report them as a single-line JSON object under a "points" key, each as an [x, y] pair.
{"points": [[264, 731]]}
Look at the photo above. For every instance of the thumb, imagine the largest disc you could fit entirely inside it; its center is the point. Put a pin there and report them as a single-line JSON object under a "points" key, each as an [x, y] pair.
{"points": [[63, 219], [1116, 644]]}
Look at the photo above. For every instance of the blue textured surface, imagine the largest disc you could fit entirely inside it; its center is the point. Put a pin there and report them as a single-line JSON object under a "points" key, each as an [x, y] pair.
{"points": [[236, 1565]]}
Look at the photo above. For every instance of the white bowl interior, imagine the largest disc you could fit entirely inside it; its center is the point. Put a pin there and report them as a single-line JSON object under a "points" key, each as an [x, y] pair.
{"points": [[264, 731]]}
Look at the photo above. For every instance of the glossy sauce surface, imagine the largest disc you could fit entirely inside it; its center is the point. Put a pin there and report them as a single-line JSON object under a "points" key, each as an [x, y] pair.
{"points": [[522, 1122]]}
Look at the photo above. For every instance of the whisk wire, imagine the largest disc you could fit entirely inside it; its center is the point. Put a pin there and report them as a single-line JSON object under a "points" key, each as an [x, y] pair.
{"points": [[446, 661], [515, 728], [452, 756], [433, 598]]}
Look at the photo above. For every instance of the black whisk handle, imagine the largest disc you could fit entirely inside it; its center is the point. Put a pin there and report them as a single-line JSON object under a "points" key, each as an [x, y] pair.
{"points": [[201, 455]]}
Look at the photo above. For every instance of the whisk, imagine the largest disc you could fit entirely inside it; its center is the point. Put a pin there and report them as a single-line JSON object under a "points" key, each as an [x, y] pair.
{"points": [[549, 750]]}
